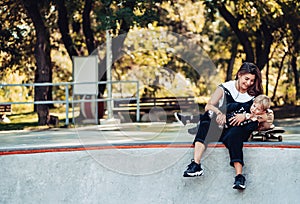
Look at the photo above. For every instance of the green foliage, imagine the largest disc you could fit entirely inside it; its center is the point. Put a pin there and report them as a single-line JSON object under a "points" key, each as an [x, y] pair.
{"points": [[121, 15], [165, 64], [16, 39], [269, 25], [271, 29]]}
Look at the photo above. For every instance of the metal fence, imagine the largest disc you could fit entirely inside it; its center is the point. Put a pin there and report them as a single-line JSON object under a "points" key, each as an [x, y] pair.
{"points": [[69, 99]]}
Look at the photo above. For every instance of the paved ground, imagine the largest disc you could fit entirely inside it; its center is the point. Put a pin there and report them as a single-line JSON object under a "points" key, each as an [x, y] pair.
{"points": [[141, 163], [117, 134]]}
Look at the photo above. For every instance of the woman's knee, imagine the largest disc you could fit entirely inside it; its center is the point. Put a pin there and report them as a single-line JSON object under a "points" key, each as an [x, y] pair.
{"points": [[202, 131]]}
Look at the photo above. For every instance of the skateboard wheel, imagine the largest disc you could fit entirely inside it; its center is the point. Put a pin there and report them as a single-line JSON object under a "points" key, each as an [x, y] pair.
{"points": [[279, 138]]}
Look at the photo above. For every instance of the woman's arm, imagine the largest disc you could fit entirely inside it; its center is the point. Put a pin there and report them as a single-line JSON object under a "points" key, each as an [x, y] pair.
{"points": [[238, 118], [211, 105], [212, 108], [214, 100]]}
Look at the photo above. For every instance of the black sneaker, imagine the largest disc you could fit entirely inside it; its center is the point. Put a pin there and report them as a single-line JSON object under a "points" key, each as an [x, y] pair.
{"points": [[193, 170], [193, 131], [181, 118], [239, 182]]}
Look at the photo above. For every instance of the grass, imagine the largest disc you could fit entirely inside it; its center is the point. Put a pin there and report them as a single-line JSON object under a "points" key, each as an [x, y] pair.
{"points": [[29, 120], [17, 126], [20, 121]]}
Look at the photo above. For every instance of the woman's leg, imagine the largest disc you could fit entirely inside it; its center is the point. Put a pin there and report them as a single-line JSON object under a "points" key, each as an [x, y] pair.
{"points": [[207, 131], [233, 140], [238, 168], [202, 117], [198, 151]]}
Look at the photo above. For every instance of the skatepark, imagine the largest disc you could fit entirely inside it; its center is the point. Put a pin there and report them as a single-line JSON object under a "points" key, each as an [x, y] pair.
{"points": [[141, 163]]}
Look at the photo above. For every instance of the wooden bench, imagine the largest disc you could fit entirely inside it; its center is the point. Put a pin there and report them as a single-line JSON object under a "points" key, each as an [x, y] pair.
{"points": [[5, 109], [168, 104]]}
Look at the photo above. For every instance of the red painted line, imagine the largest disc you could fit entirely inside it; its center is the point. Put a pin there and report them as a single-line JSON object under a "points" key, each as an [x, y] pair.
{"points": [[259, 145], [138, 146], [281, 146], [71, 149]]}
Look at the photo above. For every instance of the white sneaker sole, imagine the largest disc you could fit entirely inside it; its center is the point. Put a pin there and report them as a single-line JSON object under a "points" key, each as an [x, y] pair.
{"points": [[240, 187], [198, 173]]}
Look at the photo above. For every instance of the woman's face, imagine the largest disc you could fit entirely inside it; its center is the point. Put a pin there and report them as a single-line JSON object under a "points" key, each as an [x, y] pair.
{"points": [[245, 81]]}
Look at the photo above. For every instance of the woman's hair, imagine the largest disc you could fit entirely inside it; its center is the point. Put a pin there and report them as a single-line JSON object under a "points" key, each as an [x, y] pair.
{"points": [[250, 68]]}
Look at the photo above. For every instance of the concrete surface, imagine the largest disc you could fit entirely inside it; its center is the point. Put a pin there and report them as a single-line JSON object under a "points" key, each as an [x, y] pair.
{"points": [[139, 164], [144, 176]]}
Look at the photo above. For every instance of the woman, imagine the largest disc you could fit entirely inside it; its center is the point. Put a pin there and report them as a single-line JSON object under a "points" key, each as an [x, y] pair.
{"points": [[246, 86]]}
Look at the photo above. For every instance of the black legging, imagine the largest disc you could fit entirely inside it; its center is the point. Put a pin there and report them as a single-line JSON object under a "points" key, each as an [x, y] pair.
{"points": [[233, 137]]}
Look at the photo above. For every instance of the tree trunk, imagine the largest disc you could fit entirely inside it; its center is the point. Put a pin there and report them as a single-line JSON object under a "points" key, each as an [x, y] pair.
{"points": [[263, 46], [278, 76], [232, 60], [117, 43], [43, 72], [242, 36], [63, 25], [267, 79], [86, 25], [296, 76]]}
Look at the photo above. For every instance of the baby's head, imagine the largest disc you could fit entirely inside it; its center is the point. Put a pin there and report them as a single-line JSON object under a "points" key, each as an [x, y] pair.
{"points": [[260, 104]]}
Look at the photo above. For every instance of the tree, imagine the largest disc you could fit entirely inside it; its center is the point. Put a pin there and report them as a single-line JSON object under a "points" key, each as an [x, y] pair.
{"points": [[42, 55], [16, 38], [93, 18], [232, 31], [291, 15], [259, 25]]}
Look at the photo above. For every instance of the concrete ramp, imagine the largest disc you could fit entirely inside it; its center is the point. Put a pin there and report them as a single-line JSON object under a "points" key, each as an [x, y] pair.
{"points": [[148, 175]]}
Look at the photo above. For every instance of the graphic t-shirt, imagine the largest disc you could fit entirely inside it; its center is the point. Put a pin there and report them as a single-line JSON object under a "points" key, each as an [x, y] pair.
{"points": [[232, 95]]}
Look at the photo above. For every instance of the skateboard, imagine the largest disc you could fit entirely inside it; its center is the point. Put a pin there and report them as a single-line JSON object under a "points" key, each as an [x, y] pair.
{"points": [[266, 135]]}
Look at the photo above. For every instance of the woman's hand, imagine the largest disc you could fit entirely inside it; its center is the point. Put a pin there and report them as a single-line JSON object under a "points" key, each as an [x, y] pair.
{"points": [[237, 119], [221, 119]]}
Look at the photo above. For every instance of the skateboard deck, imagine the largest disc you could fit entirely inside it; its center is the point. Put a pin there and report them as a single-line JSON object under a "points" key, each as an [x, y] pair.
{"points": [[269, 134]]}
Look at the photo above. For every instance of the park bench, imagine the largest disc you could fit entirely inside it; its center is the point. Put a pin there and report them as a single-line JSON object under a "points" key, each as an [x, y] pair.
{"points": [[4, 110], [168, 104]]}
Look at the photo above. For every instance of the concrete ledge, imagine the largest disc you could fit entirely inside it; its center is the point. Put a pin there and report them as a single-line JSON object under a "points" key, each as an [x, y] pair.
{"points": [[149, 145], [148, 175]]}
